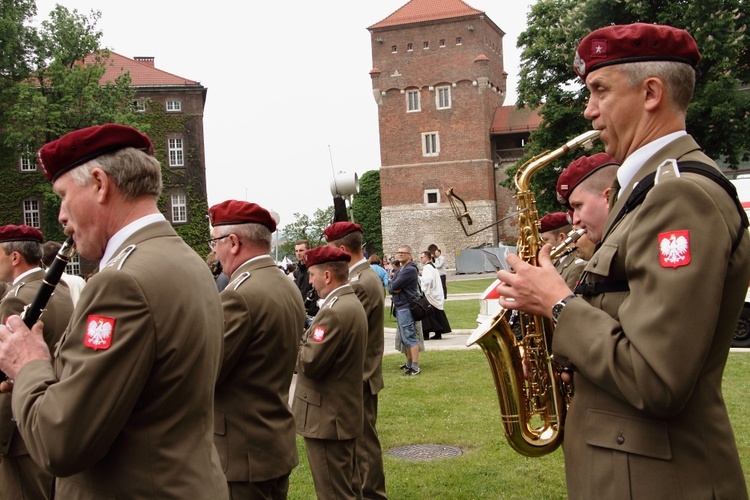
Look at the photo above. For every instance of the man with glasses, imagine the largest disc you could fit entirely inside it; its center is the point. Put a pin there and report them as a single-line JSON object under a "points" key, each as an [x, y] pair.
{"points": [[404, 287], [125, 407], [263, 323]]}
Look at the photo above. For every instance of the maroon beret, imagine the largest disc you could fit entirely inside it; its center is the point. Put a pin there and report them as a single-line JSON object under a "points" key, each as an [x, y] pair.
{"points": [[553, 221], [633, 43], [579, 170], [340, 229], [81, 146], [240, 212], [20, 233], [323, 254]]}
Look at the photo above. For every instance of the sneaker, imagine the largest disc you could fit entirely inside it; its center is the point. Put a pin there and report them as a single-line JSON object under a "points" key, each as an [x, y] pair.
{"points": [[404, 367], [411, 372]]}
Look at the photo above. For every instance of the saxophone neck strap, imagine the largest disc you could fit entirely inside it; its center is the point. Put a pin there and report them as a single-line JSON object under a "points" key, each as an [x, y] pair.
{"points": [[644, 186]]}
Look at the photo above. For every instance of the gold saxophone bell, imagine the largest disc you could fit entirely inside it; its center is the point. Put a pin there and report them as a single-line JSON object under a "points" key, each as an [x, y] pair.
{"points": [[533, 399]]}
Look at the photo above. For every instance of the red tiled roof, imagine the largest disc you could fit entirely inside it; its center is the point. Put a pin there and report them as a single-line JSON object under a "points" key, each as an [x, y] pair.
{"points": [[142, 74], [418, 11], [508, 120]]}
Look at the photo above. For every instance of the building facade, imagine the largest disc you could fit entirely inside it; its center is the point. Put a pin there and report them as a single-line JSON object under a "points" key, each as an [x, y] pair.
{"points": [[439, 84], [173, 110]]}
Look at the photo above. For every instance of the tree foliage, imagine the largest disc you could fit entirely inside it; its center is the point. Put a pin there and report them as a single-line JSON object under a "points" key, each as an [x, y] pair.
{"points": [[305, 227], [718, 117], [65, 95], [366, 208]]}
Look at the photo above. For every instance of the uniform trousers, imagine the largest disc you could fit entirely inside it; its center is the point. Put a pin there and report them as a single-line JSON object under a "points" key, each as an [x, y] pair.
{"points": [[271, 489], [332, 467], [21, 478], [369, 455]]}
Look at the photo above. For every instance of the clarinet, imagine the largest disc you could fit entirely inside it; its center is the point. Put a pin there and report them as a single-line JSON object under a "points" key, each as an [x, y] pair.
{"points": [[33, 311]]}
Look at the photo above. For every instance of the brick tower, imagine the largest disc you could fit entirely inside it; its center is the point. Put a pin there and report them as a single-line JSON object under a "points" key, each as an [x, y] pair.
{"points": [[438, 81]]}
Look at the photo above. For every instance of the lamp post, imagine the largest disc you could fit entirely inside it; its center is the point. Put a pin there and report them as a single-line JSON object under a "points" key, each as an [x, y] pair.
{"points": [[345, 185], [277, 218]]}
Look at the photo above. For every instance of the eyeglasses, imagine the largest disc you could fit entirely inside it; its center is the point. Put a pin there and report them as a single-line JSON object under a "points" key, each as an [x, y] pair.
{"points": [[403, 253], [212, 241]]}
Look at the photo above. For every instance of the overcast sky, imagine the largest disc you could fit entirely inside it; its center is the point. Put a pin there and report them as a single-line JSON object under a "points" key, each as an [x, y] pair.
{"points": [[289, 92]]}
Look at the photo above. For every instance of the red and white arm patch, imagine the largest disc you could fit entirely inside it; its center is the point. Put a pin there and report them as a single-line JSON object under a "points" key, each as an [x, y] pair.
{"points": [[674, 249], [99, 331], [318, 334]]}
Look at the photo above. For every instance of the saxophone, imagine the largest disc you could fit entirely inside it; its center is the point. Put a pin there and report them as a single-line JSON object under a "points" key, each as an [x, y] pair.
{"points": [[533, 400]]}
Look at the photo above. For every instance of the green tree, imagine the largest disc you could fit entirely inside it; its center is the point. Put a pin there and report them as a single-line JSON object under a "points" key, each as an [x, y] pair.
{"points": [[366, 208], [47, 93], [718, 117], [305, 227]]}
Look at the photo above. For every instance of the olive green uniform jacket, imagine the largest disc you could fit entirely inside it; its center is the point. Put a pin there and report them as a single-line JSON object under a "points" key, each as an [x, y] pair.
{"points": [[264, 320], [648, 418], [55, 317], [330, 363], [126, 408], [570, 268]]}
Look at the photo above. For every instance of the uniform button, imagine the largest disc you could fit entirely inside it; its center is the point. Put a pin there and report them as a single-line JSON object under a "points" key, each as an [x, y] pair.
{"points": [[620, 439], [595, 261]]}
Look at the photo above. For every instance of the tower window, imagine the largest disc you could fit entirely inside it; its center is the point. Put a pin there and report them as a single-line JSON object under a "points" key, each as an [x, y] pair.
{"points": [[394, 49], [409, 47], [443, 97], [442, 42], [426, 45], [431, 196], [430, 144], [412, 101], [458, 40]]}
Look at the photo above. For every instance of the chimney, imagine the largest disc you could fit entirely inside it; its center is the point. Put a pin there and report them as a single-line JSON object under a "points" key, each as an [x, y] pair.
{"points": [[148, 61]]}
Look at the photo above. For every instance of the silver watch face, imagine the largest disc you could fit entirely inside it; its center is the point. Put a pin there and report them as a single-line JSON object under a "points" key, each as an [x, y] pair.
{"points": [[557, 309]]}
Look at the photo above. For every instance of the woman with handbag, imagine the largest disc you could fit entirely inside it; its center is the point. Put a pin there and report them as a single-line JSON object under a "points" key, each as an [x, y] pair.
{"points": [[432, 288]]}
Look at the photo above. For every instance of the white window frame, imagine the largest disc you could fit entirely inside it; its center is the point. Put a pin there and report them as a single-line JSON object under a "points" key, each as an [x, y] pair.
{"points": [[458, 40], [426, 45], [31, 215], [179, 208], [443, 97], [442, 43], [409, 47], [430, 143], [394, 49], [174, 106], [140, 105], [27, 162], [427, 193], [74, 265], [413, 101], [176, 152]]}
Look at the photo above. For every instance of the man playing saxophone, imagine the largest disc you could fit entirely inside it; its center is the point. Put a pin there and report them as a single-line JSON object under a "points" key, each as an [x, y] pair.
{"points": [[647, 419]]}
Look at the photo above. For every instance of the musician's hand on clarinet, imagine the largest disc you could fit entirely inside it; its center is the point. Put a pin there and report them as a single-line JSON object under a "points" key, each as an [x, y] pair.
{"points": [[532, 289], [18, 346]]}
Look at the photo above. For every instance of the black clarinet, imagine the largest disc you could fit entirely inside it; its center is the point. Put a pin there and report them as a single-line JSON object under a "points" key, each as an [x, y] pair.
{"points": [[33, 311]]}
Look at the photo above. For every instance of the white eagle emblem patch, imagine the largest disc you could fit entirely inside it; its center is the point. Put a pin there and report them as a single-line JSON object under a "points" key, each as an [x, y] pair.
{"points": [[99, 330], [674, 249], [318, 334]]}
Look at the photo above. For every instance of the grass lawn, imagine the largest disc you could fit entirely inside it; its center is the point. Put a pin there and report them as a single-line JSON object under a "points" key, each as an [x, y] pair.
{"points": [[470, 286], [454, 403], [462, 314]]}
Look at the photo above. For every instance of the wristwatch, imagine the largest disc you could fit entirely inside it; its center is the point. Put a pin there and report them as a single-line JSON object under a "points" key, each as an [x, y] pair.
{"points": [[558, 308]]}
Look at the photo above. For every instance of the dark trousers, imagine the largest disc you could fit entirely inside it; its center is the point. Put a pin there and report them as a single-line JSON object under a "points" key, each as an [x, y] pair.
{"points": [[271, 489], [332, 466], [445, 288], [369, 456]]}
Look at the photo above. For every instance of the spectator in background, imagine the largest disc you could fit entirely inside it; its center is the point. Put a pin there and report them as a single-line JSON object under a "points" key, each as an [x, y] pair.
{"points": [[221, 279], [439, 262], [301, 278], [75, 283], [404, 288], [382, 273], [430, 283]]}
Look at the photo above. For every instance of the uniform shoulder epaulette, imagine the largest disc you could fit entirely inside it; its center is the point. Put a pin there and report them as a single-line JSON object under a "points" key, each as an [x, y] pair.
{"points": [[15, 290], [119, 260], [236, 282], [333, 301], [355, 278]]}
